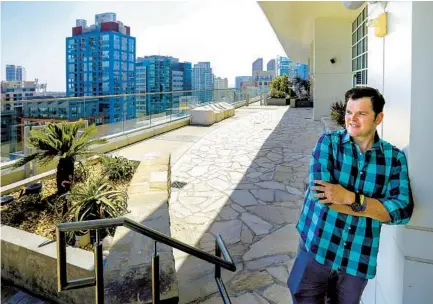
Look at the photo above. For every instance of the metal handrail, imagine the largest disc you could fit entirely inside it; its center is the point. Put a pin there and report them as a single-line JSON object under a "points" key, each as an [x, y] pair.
{"points": [[98, 280]]}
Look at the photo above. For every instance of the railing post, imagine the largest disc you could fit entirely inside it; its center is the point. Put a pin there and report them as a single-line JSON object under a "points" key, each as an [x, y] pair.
{"points": [[155, 276], [217, 267], [99, 270], [61, 260]]}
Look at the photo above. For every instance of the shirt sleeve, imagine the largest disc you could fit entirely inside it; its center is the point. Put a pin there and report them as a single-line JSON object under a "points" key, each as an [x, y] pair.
{"points": [[398, 200], [322, 164]]}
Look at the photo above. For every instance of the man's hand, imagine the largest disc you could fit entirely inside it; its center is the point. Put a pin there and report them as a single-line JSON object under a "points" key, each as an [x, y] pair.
{"points": [[332, 193]]}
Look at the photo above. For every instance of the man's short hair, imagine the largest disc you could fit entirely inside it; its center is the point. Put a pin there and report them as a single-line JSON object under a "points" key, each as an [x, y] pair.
{"points": [[377, 100]]}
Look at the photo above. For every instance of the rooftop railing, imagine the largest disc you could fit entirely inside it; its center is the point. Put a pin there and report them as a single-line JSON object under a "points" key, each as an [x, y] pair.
{"points": [[114, 115]]}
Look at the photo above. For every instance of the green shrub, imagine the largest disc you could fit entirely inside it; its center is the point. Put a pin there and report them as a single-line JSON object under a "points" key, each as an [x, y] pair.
{"points": [[338, 112], [118, 168], [280, 87], [95, 199]]}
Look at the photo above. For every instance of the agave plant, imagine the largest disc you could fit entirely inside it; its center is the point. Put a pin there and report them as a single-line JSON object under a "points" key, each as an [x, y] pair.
{"points": [[95, 199], [338, 112], [118, 168], [63, 141]]}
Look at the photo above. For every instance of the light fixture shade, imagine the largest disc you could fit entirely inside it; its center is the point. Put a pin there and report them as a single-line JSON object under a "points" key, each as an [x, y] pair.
{"points": [[353, 5]]}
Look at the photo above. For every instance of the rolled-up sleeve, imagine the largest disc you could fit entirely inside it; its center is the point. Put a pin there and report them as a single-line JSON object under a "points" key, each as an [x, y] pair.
{"points": [[398, 200]]}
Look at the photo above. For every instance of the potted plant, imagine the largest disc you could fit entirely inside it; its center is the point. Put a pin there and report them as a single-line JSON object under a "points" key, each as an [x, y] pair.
{"points": [[302, 91], [338, 112], [279, 91]]}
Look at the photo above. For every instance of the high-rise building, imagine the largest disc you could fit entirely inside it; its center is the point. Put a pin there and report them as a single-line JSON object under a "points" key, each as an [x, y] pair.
{"points": [[240, 79], [141, 88], [263, 78], [202, 81], [100, 60], [161, 74], [286, 66], [283, 64], [181, 80], [15, 73], [302, 71], [221, 83], [158, 80], [258, 65], [271, 66]]}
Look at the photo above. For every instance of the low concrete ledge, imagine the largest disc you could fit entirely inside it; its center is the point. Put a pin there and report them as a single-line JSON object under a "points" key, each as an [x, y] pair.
{"points": [[128, 272], [34, 267], [330, 125], [276, 102], [209, 114], [117, 141]]}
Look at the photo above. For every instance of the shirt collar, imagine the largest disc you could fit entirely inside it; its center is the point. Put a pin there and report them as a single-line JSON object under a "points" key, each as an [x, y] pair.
{"points": [[377, 145]]}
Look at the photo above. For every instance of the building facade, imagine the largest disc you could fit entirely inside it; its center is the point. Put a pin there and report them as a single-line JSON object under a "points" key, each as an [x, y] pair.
{"points": [[141, 88], [257, 65], [15, 73], [240, 79], [271, 66], [221, 83], [263, 79], [302, 71], [202, 81], [100, 60]]}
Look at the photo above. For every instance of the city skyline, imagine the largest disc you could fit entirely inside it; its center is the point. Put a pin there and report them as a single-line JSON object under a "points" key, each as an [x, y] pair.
{"points": [[38, 43]]}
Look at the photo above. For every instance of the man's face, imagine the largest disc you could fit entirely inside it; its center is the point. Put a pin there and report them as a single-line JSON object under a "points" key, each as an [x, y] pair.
{"points": [[360, 118]]}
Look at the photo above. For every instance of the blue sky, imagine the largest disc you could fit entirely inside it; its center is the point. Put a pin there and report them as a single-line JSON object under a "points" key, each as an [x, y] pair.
{"points": [[229, 34]]}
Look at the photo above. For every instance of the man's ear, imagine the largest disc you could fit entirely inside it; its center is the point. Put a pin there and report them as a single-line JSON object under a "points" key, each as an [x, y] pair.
{"points": [[379, 118]]}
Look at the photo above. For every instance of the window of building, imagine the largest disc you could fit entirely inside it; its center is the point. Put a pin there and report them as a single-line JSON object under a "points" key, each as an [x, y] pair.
{"points": [[124, 45], [105, 54], [360, 49], [116, 42]]}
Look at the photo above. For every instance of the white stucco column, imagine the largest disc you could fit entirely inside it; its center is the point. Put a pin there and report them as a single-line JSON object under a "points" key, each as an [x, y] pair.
{"points": [[332, 39], [400, 65]]}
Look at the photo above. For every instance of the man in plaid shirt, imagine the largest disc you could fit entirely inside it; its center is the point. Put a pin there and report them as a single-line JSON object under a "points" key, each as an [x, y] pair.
{"points": [[357, 182]]}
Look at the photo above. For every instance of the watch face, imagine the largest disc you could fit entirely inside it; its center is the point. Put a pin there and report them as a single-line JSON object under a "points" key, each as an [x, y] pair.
{"points": [[356, 207]]}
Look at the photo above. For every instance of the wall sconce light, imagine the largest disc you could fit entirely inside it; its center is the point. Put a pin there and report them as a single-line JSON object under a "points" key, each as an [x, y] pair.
{"points": [[380, 25], [333, 60]]}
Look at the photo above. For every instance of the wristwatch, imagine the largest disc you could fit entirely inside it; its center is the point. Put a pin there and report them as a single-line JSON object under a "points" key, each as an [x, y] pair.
{"points": [[360, 203]]}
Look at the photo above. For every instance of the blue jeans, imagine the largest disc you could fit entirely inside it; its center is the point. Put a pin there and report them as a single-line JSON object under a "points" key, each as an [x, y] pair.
{"points": [[311, 282]]}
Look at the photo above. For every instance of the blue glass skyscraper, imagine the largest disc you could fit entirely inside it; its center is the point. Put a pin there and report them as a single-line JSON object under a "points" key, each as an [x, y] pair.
{"points": [[283, 65], [100, 60], [159, 76], [302, 71], [202, 81]]}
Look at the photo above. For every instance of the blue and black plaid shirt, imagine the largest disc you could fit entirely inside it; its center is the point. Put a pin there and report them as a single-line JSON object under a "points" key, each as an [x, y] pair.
{"points": [[345, 242]]}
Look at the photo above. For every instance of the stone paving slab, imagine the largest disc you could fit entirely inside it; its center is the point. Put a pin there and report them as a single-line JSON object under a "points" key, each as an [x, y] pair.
{"points": [[245, 181]]}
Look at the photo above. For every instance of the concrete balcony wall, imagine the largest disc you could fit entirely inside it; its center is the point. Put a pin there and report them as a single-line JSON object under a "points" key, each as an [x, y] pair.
{"points": [[400, 66], [332, 39]]}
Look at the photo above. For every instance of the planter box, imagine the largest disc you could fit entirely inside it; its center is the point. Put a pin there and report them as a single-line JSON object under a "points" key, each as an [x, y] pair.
{"points": [[28, 263], [293, 102], [276, 102]]}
